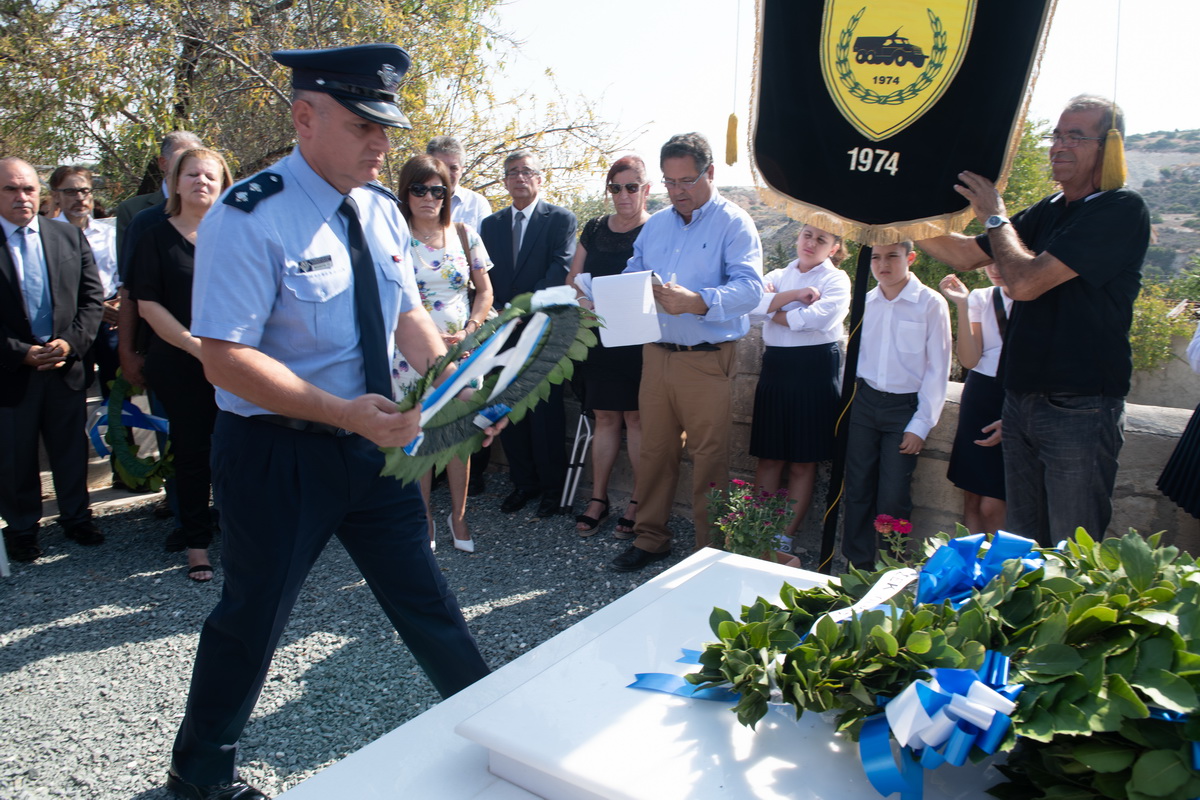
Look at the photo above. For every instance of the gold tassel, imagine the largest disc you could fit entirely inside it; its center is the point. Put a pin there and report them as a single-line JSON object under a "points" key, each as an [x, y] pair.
{"points": [[1113, 174], [731, 141]]}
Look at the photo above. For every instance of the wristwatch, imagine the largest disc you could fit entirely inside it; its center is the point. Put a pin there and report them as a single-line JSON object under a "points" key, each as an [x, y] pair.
{"points": [[995, 221]]}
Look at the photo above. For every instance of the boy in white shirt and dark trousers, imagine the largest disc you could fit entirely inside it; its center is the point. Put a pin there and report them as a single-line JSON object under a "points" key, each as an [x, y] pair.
{"points": [[903, 367]]}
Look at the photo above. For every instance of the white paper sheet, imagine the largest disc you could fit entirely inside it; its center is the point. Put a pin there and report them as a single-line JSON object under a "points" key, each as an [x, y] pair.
{"points": [[626, 304]]}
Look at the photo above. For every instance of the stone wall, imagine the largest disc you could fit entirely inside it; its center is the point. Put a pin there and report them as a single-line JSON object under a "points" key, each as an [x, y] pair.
{"points": [[1151, 433]]}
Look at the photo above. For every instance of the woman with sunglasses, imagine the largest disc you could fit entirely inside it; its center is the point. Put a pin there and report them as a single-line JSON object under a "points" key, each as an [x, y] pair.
{"points": [[449, 260], [611, 375]]}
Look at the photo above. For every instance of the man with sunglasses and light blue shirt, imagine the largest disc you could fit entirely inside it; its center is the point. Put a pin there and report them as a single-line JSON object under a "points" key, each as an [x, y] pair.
{"points": [[708, 253]]}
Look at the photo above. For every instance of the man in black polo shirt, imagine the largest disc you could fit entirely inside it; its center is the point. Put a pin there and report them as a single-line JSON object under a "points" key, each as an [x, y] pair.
{"points": [[1073, 263]]}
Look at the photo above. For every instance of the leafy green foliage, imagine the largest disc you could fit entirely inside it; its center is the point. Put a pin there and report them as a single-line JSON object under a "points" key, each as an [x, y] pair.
{"points": [[1152, 329], [1101, 636]]}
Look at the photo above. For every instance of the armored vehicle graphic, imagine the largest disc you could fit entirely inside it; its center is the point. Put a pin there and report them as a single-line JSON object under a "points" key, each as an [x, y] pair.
{"points": [[888, 49]]}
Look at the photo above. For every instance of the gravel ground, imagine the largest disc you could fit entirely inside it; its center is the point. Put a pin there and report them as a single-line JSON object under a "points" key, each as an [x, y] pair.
{"points": [[96, 648]]}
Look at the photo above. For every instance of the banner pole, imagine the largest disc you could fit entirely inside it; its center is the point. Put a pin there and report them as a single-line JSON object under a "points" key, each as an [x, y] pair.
{"points": [[837, 474]]}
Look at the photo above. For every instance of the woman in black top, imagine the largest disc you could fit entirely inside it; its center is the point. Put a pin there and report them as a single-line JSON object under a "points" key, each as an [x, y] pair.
{"points": [[611, 375], [162, 284]]}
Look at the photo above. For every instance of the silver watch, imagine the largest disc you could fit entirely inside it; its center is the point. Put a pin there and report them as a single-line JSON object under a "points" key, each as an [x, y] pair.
{"points": [[995, 221]]}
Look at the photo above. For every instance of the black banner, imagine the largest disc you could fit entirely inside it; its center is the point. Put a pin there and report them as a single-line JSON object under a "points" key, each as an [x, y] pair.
{"points": [[867, 111]]}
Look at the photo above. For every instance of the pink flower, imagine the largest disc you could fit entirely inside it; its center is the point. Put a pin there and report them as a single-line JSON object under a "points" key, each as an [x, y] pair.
{"points": [[883, 523], [736, 482], [902, 526]]}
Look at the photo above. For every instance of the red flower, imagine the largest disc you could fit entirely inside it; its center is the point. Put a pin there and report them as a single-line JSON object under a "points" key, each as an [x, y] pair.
{"points": [[902, 526]]}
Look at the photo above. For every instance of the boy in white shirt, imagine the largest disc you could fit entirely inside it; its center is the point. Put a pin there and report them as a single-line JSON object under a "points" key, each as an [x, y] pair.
{"points": [[903, 368]]}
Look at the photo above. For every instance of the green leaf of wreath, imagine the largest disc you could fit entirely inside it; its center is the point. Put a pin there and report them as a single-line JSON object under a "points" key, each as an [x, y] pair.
{"points": [[138, 472]]}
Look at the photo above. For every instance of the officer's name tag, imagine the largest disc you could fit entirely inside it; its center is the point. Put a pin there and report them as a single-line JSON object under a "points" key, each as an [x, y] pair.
{"points": [[315, 264]]}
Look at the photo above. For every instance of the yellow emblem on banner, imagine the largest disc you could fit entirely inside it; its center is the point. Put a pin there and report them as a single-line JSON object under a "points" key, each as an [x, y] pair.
{"points": [[887, 62]]}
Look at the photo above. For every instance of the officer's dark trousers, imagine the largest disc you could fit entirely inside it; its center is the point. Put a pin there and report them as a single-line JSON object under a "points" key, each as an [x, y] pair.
{"points": [[282, 494]]}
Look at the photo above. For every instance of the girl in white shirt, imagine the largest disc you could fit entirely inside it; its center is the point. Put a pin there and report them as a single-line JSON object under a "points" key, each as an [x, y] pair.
{"points": [[796, 399], [977, 460]]}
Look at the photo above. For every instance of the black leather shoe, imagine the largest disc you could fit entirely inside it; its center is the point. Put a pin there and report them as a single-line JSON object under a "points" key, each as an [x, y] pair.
{"points": [[548, 507], [635, 558], [176, 541], [517, 500], [22, 547], [86, 533], [238, 790]]}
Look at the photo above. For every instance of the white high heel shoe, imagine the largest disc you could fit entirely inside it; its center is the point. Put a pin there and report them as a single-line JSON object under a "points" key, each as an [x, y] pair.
{"points": [[466, 545], [432, 536]]}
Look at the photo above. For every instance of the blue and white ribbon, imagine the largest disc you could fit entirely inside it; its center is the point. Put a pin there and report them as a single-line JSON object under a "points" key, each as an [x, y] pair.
{"points": [[132, 417], [937, 721]]}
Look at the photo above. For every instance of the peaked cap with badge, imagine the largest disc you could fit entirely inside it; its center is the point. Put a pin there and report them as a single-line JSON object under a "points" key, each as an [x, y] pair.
{"points": [[364, 78]]}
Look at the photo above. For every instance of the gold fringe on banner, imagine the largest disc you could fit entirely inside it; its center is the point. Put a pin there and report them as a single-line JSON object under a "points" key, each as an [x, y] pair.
{"points": [[731, 141], [904, 230], [1114, 173]]}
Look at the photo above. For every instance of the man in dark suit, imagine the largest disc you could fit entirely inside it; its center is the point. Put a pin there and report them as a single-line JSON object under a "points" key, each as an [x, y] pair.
{"points": [[531, 244], [51, 302]]}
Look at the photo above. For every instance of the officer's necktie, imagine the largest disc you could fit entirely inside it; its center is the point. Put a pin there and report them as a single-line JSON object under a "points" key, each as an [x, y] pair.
{"points": [[518, 220], [371, 336], [34, 287]]}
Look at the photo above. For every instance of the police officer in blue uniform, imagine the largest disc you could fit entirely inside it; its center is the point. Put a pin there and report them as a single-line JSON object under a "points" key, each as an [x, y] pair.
{"points": [[302, 288]]}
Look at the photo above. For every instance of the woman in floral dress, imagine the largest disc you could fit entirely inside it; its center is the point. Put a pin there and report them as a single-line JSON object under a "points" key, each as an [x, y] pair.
{"points": [[449, 260]]}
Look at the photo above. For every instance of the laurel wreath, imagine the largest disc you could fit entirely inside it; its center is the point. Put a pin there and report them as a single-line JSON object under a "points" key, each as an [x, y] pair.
{"points": [[936, 61], [452, 433], [138, 472]]}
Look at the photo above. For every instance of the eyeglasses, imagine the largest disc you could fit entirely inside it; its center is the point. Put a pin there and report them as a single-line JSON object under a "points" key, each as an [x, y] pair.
{"points": [[686, 183], [524, 172], [420, 190], [1069, 139], [632, 188], [82, 192]]}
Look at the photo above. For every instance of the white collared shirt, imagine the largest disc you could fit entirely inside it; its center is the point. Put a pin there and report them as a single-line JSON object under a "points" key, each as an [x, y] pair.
{"points": [[102, 237], [981, 310], [819, 323], [33, 244], [469, 207], [906, 348], [528, 212]]}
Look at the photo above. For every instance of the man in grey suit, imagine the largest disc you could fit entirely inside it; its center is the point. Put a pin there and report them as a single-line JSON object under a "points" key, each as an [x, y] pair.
{"points": [[51, 302], [531, 244]]}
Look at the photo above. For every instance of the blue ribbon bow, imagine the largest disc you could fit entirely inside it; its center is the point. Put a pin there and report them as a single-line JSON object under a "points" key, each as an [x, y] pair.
{"points": [[938, 721], [133, 417], [955, 568]]}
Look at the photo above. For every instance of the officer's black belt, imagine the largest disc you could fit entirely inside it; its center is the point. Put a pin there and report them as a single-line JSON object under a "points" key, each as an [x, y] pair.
{"points": [[679, 348], [302, 425]]}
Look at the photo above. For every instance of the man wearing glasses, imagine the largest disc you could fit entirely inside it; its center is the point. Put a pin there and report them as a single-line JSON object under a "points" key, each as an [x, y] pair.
{"points": [[531, 244], [1072, 262], [72, 188], [708, 254]]}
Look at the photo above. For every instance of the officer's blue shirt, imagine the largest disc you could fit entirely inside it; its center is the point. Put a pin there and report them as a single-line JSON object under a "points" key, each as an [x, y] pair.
{"points": [[273, 272], [718, 254]]}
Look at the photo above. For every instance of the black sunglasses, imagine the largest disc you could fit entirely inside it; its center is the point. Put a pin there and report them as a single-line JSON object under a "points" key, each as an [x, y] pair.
{"points": [[420, 190], [632, 188]]}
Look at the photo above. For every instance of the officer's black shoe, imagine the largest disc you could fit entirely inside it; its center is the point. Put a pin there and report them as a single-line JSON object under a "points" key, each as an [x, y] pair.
{"points": [[517, 500], [238, 790]]}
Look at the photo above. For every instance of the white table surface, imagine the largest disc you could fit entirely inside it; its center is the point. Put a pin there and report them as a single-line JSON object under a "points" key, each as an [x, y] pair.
{"points": [[560, 720]]}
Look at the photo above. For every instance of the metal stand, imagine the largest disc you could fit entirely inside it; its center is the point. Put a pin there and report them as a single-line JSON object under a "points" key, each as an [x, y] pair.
{"points": [[579, 450]]}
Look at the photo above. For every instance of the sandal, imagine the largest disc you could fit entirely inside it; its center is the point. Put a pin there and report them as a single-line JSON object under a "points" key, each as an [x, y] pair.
{"points": [[591, 522], [199, 568], [625, 525]]}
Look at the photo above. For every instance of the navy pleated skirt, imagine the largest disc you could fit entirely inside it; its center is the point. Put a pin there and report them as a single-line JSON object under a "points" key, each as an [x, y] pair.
{"points": [[795, 404], [974, 468], [1180, 479]]}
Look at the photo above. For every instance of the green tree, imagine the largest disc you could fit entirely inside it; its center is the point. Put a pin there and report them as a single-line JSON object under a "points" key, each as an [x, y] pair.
{"points": [[104, 79], [1154, 327]]}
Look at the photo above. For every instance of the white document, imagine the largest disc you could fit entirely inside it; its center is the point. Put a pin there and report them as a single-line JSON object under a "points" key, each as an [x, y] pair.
{"points": [[626, 304]]}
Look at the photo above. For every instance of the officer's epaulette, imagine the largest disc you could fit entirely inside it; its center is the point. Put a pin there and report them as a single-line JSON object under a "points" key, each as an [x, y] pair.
{"points": [[383, 190], [246, 194]]}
